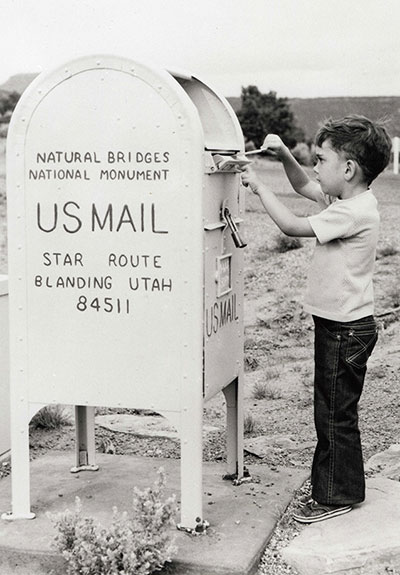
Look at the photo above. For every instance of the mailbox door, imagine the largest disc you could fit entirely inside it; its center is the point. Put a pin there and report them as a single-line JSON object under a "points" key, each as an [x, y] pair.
{"points": [[223, 280]]}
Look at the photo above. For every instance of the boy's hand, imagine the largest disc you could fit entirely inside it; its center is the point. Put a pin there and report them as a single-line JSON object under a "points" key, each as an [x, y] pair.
{"points": [[249, 178], [274, 144]]}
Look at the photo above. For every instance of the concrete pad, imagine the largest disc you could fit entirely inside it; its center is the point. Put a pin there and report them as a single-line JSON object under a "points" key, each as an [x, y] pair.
{"points": [[365, 541], [241, 518]]}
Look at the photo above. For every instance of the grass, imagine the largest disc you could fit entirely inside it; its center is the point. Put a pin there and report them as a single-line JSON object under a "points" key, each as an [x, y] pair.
{"points": [[50, 417]]}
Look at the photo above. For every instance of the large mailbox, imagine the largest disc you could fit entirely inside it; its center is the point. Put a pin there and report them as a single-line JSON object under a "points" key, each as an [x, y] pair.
{"points": [[125, 267]]}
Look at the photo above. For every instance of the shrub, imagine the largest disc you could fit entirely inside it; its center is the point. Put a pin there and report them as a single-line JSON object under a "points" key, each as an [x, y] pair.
{"points": [[250, 425], [134, 544], [50, 417], [286, 243], [302, 154]]}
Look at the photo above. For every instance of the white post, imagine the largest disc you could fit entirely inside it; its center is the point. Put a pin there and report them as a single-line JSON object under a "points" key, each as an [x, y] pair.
{"points": [[396, 150]]}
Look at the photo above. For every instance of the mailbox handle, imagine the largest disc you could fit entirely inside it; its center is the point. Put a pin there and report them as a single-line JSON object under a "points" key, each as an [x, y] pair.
{"points": [[237, 240]]}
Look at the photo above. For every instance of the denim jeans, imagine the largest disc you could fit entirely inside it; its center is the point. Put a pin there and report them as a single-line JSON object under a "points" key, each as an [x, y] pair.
{"points": [[341, 354]]}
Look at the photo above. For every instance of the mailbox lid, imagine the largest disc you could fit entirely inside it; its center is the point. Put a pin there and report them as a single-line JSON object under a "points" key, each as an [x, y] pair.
{"points": [[221, 127]]}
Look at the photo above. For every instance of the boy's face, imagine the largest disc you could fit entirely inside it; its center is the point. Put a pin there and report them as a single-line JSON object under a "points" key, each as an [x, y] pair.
{"points": [[330, 169]]}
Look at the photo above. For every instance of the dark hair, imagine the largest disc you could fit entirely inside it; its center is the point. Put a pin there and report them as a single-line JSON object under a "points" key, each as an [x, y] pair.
{"points": [[362, 140]]}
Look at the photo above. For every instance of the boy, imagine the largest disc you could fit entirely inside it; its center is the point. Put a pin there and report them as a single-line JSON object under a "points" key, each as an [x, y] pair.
{"points": [[350, 153]]}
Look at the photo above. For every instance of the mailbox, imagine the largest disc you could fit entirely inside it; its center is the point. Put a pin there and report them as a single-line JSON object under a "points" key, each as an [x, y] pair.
{"points": [[125, 259]]}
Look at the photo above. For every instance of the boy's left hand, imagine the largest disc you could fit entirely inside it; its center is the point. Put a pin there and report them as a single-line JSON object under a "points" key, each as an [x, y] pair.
{"points": [[249, 178]]}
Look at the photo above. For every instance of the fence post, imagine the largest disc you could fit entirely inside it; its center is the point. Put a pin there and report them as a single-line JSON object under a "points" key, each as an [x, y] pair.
{"points": [[396, 150]]}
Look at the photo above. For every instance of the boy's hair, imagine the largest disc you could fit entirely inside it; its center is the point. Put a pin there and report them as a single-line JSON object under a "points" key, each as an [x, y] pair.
{"points": [[362, 140]]}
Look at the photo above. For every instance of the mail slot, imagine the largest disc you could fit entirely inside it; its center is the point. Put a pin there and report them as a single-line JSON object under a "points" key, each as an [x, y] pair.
{"points": [[125, 257]]}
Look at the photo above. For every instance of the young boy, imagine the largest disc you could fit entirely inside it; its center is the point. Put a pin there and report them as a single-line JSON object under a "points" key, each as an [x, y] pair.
{"points": [[350, 153]]}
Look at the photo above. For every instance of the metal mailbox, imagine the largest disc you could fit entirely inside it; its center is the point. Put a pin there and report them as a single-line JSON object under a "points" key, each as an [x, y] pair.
{"points": [[125, 267]]}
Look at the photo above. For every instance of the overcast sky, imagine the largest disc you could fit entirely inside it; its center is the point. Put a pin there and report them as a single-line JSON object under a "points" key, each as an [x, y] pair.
{"points": [[298, 48]]}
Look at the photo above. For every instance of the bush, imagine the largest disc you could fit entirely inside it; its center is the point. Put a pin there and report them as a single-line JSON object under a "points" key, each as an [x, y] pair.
{"points": [[287, 243], [135, 544], [50, 417], [302, 154]]}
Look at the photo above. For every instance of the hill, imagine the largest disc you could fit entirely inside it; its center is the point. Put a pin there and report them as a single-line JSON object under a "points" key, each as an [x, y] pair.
{"points": [[309, 112], [17, 83]]}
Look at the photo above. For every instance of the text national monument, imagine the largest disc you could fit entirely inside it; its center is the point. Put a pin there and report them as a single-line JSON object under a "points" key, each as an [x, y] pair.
{"points": [[125, 267]]}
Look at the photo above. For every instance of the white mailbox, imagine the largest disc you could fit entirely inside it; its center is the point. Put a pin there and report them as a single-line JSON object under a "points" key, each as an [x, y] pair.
{"points": [[126, 285]]}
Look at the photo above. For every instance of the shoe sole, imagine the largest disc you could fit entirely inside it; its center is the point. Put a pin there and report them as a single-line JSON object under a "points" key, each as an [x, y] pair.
{"points": [[322, 517]]}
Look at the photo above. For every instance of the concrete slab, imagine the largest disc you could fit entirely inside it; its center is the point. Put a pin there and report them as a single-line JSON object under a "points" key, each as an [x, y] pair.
{"points": [[365, 541], [241, 518]]}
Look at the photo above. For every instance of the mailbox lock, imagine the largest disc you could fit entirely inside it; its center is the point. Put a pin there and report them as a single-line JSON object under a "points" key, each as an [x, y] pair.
{"points": [[227, 217]]}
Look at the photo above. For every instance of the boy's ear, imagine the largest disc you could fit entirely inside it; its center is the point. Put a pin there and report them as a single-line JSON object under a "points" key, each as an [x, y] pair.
{"points": [[350, 170]]}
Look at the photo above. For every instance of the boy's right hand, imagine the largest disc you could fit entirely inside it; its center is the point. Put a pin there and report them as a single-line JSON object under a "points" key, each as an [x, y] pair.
{"points": [[274, 144]]}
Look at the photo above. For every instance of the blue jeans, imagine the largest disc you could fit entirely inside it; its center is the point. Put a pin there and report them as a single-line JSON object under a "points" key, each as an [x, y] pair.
{"points": [[341, 354]]}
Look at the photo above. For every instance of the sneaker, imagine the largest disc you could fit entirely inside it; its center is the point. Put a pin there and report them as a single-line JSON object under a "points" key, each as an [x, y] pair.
{"points": [[312, 512]]}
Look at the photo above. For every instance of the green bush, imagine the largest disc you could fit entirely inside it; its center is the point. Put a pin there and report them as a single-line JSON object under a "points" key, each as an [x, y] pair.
{"points": [[138, 543]]}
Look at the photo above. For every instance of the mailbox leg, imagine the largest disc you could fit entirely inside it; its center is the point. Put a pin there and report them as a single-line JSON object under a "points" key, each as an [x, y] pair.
{"points": [[20, 475], [191, 467], [234, 417], [85, 439]]}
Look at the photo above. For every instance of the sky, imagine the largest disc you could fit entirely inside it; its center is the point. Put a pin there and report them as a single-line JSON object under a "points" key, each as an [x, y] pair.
{"points": [[297, 48]]}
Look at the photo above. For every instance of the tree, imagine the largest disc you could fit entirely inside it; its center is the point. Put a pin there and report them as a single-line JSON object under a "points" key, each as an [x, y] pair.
{"points": [[263, 114], [8, 101]]}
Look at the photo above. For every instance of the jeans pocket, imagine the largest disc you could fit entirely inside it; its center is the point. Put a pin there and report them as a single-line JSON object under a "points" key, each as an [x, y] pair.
{"points": [[360, 346]]}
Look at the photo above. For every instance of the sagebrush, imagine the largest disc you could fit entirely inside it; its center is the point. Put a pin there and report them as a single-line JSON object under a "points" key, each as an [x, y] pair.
{"points": [[136, 543]]}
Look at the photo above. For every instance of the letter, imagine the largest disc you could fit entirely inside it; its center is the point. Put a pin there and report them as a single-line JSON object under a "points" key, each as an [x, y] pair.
{"points": [[155, 285], [166, 157], [110, 157], [40, 158], [108, 215], [128, 220], [215, 323], [156, 258], [79, 222], [122, 261], [46, 258], [153, 221], [55, 219], [134, 262], [112, 260], [104, 173], [146, 282], [134, 287], [234, 306], [166, 284], [78, 259], [60, 282], [38, 281], [209, 331]]}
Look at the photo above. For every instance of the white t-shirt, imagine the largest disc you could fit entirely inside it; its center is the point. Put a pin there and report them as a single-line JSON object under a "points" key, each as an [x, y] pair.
{"points": [[340, 278]]}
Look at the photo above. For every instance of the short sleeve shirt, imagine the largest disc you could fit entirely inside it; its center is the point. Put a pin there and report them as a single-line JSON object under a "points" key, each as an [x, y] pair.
{"points": [[340, 278]]}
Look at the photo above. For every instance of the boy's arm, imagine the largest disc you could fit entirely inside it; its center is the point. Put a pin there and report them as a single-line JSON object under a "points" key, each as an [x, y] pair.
{"points": [[297, 176], [287, 222]]}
